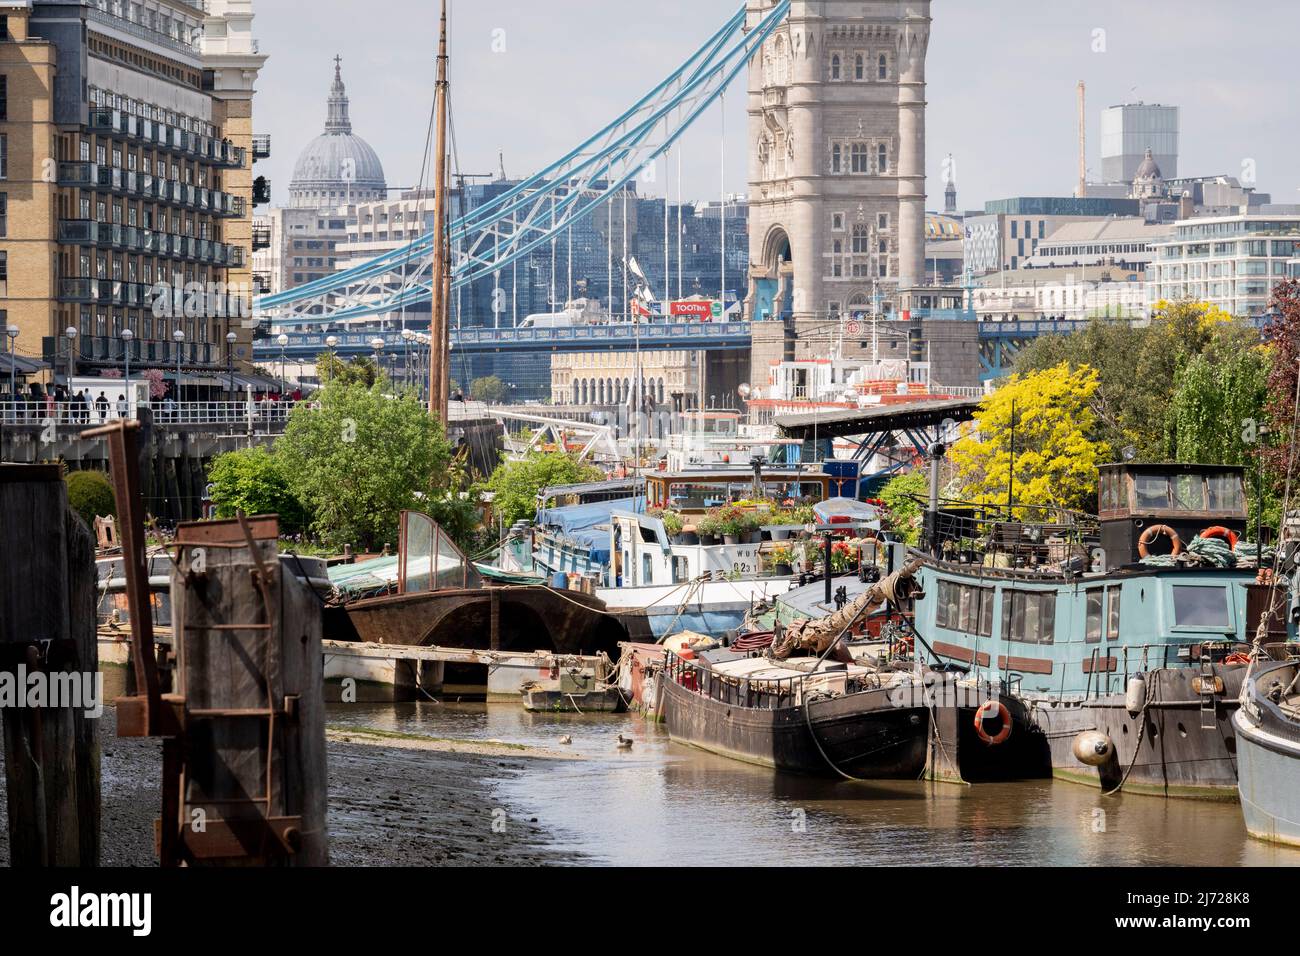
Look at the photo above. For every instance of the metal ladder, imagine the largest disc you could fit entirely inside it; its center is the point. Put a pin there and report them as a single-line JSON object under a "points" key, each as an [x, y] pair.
{"points": [[1209, 716]]}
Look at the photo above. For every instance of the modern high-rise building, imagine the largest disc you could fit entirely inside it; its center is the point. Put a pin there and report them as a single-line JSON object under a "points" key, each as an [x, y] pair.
{"points": [[837, 156], [126, 182], [1232, 262], [1129, 130]]}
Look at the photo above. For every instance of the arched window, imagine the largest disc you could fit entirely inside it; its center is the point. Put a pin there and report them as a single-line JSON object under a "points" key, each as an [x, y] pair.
{"points": [[860, 239], [882, 159], [835, 158], [661, 391], [839, 246], [859, 68], [884, 247], [835, 66], [859, 155], [584, 392], [882, 68]]}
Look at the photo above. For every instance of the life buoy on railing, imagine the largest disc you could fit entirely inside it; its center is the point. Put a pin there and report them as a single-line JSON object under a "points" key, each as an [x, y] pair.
{"points": [[983, 711], [1219, 531], [1151, 533]]}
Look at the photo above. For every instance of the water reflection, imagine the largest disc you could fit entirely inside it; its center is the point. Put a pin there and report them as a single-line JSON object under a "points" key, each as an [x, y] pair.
{"points": [[665, 803]]}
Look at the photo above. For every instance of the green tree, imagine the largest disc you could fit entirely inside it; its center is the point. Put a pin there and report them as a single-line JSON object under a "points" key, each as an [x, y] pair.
{"points": [[1054, 461], [515, 484], [905, 512], [361, 370], [360, 458], [253, 480], [90, 494], [489, 388]]}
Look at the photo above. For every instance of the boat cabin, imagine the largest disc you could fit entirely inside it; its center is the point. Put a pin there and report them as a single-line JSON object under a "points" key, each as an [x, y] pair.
{"points": [[694, 492], [1187, 499]]}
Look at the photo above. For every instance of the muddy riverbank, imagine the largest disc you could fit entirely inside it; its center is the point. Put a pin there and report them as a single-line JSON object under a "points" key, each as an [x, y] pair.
{"points": [[394, 800]]}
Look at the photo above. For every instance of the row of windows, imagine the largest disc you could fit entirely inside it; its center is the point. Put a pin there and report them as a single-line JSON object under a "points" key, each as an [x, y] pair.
{"points": [[837, 222], [856, 67], [1027, 616], [856, 158]]}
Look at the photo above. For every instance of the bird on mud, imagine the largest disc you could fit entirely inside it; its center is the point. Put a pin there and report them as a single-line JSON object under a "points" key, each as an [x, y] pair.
{"points": [[624, 743], [566, 739]]}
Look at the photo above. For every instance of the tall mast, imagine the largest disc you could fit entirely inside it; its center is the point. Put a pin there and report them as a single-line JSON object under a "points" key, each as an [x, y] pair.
{"points": [[439, 381]]}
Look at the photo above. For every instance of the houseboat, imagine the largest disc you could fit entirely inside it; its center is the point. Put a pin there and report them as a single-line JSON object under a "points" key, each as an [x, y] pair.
{"points": [[1126, 643]]}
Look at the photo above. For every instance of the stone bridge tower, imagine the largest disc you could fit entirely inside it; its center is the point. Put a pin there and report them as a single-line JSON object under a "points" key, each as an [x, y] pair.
{"points": [[836, 163]]}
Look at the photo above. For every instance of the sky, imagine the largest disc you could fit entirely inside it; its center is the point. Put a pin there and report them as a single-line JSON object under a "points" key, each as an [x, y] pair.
{"points": [[532, 78]]}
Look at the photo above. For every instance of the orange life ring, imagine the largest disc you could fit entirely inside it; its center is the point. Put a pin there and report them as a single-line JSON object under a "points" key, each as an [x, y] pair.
{"points": [[1150, 534], [1237, 657], [1219, 531], [1003, 713]]}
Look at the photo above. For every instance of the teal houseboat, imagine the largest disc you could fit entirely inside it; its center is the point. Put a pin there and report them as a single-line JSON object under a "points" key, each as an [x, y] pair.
{"points": [[1121, 644]]}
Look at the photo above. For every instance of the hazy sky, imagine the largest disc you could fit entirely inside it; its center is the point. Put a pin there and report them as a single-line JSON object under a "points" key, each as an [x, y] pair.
{"points": [[1002, 76]]}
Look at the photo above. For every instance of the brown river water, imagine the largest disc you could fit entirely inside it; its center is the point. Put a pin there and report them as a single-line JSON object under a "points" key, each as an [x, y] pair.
{"points": [[663, 803]]}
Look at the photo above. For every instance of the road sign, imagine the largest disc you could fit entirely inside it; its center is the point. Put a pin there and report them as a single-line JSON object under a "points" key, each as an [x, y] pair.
{"points": [[717, 309]]}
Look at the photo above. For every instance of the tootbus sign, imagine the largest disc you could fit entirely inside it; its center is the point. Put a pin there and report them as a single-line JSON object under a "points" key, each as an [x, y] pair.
{"points": [[699, 310]]}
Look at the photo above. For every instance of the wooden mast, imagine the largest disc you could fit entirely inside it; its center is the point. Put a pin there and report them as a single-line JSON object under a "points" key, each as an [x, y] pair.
{"points": [[438, 351]]}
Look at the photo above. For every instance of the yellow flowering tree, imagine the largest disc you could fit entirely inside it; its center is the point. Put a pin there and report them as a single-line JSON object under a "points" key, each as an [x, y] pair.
{"points": [[1055, 458]]}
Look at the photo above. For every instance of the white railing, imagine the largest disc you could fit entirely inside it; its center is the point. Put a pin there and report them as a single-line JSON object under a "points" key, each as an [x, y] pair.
{"points": [[74, 414]]}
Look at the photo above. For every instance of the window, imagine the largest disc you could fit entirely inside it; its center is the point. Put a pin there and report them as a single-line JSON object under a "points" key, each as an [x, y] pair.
{"points": [[1094, 598], [4, 156], [4, 98], [4, 215], [835, 158], [4, 273], [835, 67], [860, 239], [1152, 491], [1189, 492], [1029, 616], [882, 221], [1112, 611], [859, 154], [859, 68], [837, 221], [882, 67], [882, 159], [1225, 493], [1200, 606], [965, 607]]}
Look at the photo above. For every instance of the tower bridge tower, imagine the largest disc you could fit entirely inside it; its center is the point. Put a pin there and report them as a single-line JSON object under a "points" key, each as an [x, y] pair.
{"points": [[836, 163]]}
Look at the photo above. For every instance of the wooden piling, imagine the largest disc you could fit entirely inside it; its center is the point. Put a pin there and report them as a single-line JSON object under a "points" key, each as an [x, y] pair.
{"points": [[47, 624], [250, 672]]}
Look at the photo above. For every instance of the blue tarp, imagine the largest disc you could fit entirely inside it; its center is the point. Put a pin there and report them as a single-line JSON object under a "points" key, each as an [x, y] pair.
{"points": [[581, 522]]}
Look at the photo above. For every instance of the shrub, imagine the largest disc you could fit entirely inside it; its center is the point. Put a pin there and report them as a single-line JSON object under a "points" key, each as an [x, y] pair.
{"points": [[90, 494]]}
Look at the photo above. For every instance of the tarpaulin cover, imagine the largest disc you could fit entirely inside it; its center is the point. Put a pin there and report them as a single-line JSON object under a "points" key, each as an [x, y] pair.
{"points": [[583, 523]]}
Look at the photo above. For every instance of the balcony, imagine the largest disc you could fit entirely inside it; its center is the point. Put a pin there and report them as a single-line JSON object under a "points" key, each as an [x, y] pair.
{"points": [[261, 283], [106, 235], [261, 237], [112, 350], [218, 152], [151, 188], [261, 146], [261, 191]]}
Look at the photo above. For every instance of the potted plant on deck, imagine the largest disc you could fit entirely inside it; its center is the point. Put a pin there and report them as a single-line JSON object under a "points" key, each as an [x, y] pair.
{"points": [[708, 528], [781, 561]]}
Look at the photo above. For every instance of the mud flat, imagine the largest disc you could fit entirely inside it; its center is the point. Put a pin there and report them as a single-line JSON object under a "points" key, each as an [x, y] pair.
{"points": [[394, 800]]}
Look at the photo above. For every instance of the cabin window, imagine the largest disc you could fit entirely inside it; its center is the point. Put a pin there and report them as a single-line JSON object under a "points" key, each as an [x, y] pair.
{"points": [[964, 607], [647, 569], [1107, 493], [681, 569], [1112, 612], [1092, 624], [1152, 492], [1225, 493], [1029, 616], [1189, 492], [1200, 606]]}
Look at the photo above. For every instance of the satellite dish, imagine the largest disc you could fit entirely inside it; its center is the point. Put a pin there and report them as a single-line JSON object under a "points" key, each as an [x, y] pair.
{"points": [[743, 389]]}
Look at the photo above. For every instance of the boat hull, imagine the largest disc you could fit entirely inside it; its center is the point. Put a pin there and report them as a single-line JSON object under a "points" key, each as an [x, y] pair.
{"points": [[1166, 752], [864, 735], [1268, 754]]}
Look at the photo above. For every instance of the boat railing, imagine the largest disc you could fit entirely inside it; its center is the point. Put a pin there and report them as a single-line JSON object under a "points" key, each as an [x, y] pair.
{"points": [[763, 693]]}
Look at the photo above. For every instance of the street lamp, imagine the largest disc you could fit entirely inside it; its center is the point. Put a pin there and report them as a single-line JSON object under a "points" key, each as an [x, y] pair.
{"points": [[331, 342], [12, 332], [231, 337], [282, 340], [407, 336], [179, 338], [127, 336], [378, 345], [70, 333]]}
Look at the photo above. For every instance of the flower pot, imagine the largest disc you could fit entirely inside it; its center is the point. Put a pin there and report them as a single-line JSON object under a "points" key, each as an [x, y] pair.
{"points": [[783, 570], [731, 539], [686, 537], [709, 539], [780, 534]]}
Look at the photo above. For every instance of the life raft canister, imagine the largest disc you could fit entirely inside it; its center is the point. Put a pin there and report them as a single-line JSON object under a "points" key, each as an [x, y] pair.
{"points": [[1219, 531], [1151, 533], [982, 711]]}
